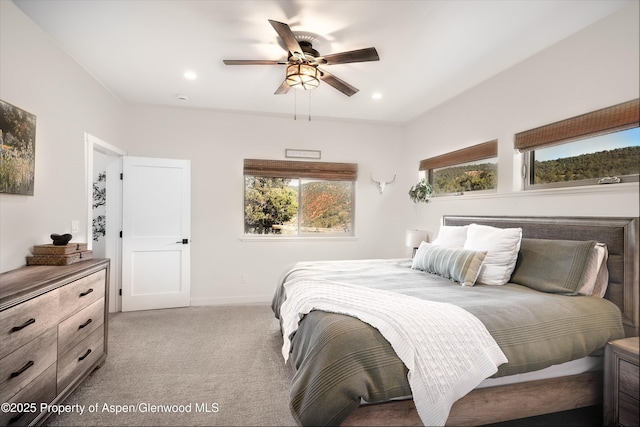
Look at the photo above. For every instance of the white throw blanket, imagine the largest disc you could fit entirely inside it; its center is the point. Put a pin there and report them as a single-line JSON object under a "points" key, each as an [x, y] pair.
{"points": [[447, 350]]}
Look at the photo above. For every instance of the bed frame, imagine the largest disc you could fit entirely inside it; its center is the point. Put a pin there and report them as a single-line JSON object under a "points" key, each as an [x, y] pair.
{"points": [[509, 402]]}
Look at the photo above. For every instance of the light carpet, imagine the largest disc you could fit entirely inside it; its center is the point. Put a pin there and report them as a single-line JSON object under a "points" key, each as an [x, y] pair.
{"points": [[225, 359], [217, 366]]}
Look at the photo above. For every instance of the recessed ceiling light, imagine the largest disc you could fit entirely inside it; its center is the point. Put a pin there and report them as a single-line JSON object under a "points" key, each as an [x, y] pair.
{"points": [[376, 95], [190, 75]]}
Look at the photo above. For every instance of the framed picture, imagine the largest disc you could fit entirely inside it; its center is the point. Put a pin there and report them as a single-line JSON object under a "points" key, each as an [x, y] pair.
{"points": [[17, 150]]}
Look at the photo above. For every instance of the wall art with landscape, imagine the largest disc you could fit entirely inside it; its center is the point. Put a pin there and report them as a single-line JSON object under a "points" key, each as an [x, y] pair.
{"points": [[17, 150]]}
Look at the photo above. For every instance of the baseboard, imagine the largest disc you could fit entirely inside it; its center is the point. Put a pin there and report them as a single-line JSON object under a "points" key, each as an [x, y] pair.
{"points": [[251, 299]]}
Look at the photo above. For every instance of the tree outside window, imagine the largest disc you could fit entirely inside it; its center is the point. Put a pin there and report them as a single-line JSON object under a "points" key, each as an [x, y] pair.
{"points": [[268, 202]]}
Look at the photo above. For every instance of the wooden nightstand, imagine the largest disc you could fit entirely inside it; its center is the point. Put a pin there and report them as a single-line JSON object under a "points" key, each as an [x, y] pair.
{"points": [[621, 383]]}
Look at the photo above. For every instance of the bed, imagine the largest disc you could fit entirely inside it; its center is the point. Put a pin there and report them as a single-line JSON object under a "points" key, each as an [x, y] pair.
{"points": [[344, 368]]}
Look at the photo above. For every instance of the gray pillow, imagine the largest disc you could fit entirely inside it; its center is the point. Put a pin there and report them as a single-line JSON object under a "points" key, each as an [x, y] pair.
{"points": [[461, 265], [553, 266]]}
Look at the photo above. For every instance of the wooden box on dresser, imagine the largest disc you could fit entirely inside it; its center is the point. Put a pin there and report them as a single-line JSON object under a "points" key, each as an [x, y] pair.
{"points": [[53, 334], [621, 383]]}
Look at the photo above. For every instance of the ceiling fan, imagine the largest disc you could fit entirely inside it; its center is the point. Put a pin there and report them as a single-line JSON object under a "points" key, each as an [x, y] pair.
{"points": [[303, 63]]}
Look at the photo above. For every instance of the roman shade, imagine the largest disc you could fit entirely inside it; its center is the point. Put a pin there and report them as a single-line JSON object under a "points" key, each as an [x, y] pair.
{"points": [[299, 169], [486, 150], [611, 119]]}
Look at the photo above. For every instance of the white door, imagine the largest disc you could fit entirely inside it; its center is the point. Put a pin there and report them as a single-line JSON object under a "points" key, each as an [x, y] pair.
{"points": [[156, 197]]}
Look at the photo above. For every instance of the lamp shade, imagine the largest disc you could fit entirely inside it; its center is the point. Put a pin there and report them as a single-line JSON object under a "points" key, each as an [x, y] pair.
{"points": [[413, 238], [302, 76]]}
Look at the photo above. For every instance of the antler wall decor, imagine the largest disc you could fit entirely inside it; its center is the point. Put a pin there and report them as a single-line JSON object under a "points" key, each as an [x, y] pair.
{"points": [[381, 184]]}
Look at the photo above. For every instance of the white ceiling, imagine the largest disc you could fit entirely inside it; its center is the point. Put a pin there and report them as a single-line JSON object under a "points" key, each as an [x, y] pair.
{"points": [[429, 50]]}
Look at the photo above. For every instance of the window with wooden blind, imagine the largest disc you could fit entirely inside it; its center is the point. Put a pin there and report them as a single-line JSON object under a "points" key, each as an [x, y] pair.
{"points": [[298, 198], [600, 147], [473, 168]]}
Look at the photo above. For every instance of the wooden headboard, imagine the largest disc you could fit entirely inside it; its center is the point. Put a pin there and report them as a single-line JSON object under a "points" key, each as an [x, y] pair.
{"points": [[619, 234]]}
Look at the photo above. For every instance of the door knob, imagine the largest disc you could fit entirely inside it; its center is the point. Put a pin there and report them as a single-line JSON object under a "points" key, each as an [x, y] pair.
{"points": [[183, 241]]}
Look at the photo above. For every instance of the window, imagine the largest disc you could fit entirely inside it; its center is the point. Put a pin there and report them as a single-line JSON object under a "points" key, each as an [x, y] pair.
{"points": [[600, 147], [295, 198], [470, 169]]}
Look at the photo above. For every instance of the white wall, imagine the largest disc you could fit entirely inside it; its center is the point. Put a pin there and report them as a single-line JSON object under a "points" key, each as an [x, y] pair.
{"points": [[227, 269], [592, 69], [595, 68], [39, 77]]}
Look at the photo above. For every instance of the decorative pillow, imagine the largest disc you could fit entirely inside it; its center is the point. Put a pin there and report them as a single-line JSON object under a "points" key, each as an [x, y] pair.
{"points": [[451, 236], [502, 246], [553, 266], [596, 274], [460, 265]]}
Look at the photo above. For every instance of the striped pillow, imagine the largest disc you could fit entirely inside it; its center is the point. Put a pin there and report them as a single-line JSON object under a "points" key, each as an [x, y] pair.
{"points": [[461, 265]]}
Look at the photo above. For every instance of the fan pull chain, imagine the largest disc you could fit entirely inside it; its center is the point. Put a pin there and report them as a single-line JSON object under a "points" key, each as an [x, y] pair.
{"points": [[309, 104]]}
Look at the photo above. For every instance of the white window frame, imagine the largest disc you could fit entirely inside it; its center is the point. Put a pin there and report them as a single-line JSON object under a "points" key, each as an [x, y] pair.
{"points": [[317, 171]]}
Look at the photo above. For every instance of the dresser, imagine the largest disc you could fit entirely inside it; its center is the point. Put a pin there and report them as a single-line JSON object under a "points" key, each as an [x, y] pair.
{"points": [[621, 383], [53, 334]]}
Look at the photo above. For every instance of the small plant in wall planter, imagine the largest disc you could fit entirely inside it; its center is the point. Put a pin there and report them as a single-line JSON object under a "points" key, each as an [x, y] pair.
{"points": [[421, 192]]}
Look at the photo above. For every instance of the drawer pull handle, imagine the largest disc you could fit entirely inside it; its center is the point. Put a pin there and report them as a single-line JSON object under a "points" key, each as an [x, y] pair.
{"points": [[81, 358], [24, 325], [85, 324], [84, 294], [21, 370]]}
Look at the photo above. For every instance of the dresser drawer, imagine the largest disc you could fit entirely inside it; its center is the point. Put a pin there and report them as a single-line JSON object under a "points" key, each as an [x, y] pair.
{"points": [[628, 410], [26, 363], [79, 294], [79, 326], [628, 378], [79, 358], [22, 323], [26, 404]]}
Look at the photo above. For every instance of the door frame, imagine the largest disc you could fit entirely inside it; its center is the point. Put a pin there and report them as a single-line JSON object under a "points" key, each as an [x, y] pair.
{"points": [[113, 214]]}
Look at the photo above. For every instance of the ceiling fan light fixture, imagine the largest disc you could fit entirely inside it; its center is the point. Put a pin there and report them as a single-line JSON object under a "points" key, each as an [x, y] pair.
{"points": [[303, 76]]}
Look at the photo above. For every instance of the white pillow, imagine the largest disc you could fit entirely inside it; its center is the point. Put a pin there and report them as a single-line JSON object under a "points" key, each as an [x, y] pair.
{"points": [[451, 236], [502, 246], [596, 275]]}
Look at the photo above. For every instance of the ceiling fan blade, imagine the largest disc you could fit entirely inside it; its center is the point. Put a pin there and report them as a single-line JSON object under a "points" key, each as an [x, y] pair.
{"points": [[337, 83], [252, 62], [359, 55], [288, 37], [284, 88]]}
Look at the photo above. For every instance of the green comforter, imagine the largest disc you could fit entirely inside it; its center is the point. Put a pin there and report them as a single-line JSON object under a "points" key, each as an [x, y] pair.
{"points": [[340, 360]]}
